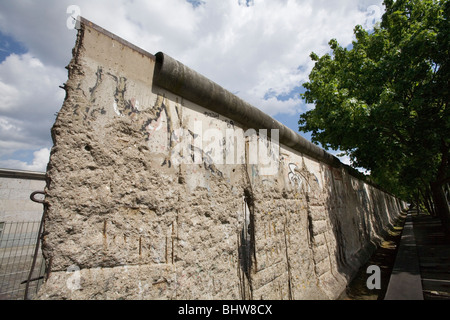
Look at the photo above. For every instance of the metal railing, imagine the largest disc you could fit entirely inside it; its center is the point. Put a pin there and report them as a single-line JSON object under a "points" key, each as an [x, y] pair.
{"points": [[17, 253]]}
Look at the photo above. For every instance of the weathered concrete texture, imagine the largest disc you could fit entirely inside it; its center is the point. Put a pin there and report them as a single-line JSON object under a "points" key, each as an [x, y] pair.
{"points": [[133, 213]]}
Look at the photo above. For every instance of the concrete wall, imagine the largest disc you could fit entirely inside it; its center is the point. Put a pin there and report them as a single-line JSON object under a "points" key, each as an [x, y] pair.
{"points": [[163, 186], [16, 187]]}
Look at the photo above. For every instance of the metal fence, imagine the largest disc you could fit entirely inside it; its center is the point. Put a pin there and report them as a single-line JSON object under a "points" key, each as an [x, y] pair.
{"points": [[17, 249]]}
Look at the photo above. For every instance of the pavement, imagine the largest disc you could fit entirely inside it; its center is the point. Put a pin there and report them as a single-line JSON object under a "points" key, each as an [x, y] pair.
{"points": [[422, 266]]}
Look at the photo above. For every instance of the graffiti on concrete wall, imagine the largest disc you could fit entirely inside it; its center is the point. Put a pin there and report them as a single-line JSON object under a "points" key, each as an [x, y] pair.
{"points": [[302, 180]]}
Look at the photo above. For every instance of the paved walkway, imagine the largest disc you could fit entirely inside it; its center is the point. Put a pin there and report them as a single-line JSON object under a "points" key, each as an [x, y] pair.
{"points": [[422, 265]]}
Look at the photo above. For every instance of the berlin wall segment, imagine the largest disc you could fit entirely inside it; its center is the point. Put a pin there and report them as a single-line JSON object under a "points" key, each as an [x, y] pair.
{"points": [[152, 195]]}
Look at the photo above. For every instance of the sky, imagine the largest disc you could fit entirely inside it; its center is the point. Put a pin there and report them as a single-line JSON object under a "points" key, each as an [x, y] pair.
{"points": [[257, 49]]}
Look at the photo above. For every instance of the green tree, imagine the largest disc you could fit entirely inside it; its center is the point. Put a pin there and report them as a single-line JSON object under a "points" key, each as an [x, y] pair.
{"points": [[384, 102]]}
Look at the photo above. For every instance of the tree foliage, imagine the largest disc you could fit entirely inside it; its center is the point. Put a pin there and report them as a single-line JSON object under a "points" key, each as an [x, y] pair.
{"points": [[384, 102]]}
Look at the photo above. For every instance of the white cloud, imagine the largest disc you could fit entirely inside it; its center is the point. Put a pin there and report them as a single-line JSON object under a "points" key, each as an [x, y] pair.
{"points": [[8, 96], [246, 49], [29, 97], [258, 49], [39, 162]]}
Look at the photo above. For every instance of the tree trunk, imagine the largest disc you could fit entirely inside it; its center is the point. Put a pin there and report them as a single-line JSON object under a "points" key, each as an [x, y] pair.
{"points": [[440, 204], [427, 203]]}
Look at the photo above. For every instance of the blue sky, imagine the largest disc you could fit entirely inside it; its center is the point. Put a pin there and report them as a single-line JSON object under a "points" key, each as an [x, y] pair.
{"points": [[257, 49], [9, 45]]}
